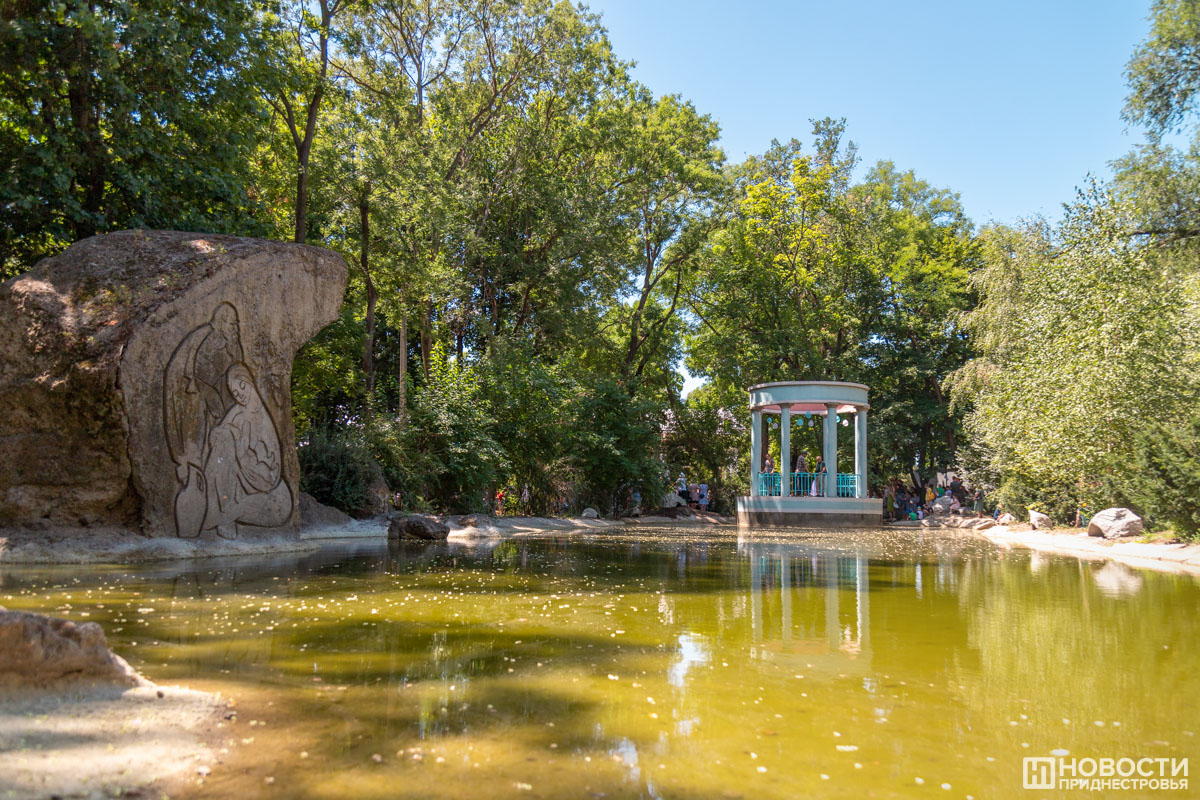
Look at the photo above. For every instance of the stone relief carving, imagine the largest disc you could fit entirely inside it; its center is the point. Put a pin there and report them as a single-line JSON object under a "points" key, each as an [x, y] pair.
{"points": [[225, 446]]}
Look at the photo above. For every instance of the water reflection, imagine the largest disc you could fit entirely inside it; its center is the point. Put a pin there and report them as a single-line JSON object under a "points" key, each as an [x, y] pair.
{"points": [[657, 663]]}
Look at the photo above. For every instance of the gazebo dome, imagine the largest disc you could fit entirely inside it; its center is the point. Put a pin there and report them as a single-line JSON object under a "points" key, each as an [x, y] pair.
{"points": [[808, 397]]}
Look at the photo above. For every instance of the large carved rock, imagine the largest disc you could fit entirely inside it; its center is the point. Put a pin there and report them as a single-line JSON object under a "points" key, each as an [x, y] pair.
{"points": [[145, 382], [1113, 523], [41, 651]]}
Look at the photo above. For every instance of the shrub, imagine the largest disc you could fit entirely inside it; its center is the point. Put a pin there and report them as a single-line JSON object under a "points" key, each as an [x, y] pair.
{"points": [[336, 468]]}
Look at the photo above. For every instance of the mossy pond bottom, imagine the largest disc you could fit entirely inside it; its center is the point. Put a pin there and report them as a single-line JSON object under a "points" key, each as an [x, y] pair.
{"points": [[657, 663]]}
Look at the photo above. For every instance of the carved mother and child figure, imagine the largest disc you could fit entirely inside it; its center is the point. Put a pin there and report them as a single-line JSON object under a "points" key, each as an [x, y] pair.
{"points": [[225, 446]]}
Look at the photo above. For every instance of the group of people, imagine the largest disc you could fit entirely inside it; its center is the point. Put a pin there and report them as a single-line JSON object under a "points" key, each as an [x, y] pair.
{"points": [[917, 501], [801, 466], [694, 494]]}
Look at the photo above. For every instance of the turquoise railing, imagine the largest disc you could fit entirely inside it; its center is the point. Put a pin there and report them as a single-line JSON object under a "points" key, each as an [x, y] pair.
{"points": [[770, 484]]}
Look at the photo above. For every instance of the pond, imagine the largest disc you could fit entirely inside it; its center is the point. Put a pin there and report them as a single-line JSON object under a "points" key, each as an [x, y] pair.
{"points": [[656, 663]]}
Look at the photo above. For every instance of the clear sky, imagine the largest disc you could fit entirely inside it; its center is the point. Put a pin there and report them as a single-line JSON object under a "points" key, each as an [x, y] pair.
{"points": [[1011, 104]]}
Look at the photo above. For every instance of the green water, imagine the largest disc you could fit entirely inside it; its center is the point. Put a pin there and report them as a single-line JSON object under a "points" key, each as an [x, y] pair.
{"points": [[673, 664]]}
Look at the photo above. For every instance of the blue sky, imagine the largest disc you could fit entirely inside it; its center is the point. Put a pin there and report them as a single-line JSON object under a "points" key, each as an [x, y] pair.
{"points": [[1010, 104]]}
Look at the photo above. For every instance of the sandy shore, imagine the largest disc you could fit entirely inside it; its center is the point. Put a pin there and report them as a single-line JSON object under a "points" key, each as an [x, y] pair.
{"points": [[1167, 557], [93, 742], [1163, 556]]}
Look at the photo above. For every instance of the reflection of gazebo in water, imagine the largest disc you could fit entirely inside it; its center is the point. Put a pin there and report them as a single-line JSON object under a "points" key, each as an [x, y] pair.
{"points": [[809, 498]]}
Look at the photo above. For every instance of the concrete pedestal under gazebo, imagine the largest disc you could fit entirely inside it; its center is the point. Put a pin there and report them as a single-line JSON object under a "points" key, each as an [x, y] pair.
{"points": [[826, 498]]}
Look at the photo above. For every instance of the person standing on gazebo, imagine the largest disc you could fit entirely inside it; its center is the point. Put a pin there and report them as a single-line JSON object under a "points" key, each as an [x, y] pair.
{"points": [[819, 474], [801, 462]]}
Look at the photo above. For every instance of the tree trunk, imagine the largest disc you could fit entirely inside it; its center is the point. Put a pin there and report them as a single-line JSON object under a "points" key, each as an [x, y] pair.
{"points": [[301, 223], [313, 108], [91, 177], [364, 217], [402, 372], [427, 336]]}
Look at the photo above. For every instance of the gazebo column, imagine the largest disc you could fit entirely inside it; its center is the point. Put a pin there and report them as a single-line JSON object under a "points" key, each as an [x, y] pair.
{"points": [[829, 430], [785, 449], [860, 451], [755, 449]]}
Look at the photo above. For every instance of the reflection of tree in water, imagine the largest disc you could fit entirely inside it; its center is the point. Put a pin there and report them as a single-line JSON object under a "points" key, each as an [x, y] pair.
{"points": [[1058, 643]]}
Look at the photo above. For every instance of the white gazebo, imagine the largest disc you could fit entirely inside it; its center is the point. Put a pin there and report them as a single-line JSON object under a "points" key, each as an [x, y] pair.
{"points": [[814, 497]]}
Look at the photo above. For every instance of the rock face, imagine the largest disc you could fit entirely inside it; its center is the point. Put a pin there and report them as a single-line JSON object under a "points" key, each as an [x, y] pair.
{"points": [[1038, 520], [1113, 523], [42, 651], [145, 380], [417, 526]]}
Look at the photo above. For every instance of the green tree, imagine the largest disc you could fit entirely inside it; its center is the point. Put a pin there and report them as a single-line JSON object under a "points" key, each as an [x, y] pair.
{"points": [[1164, 72], [1079, 332], [126, 114]]}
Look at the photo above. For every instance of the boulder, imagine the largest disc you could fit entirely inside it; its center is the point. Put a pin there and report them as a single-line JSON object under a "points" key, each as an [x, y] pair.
{"points": [[317, 514], [590, 513], [39, 651], [418, 526], [671, 500], [473, 521], [1113, 523], [145, 378], [379, 496], [942, 504], [1006, 519], [1038, 520]]}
